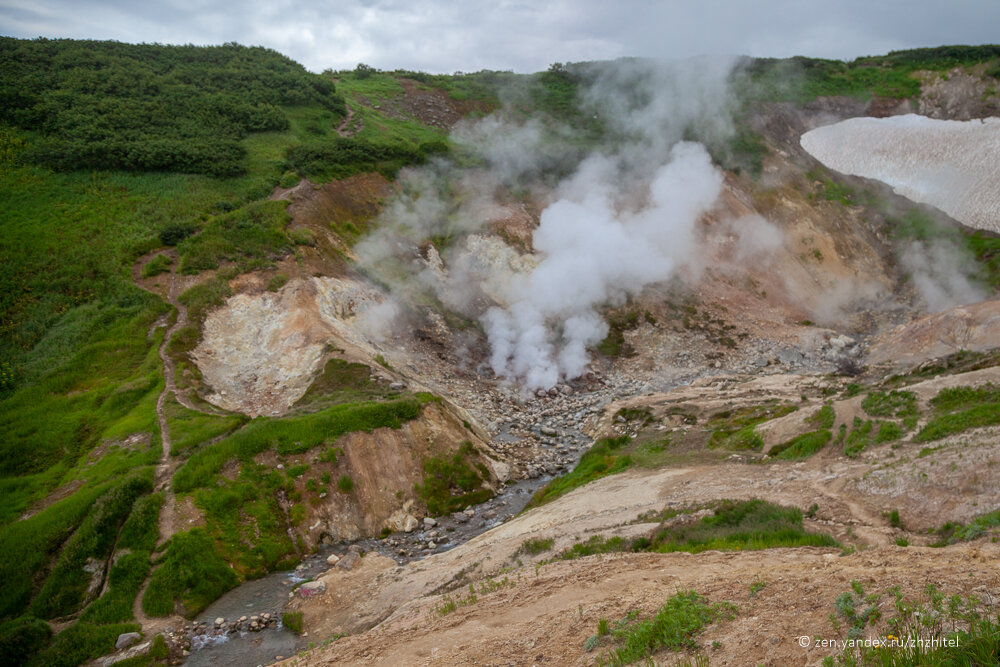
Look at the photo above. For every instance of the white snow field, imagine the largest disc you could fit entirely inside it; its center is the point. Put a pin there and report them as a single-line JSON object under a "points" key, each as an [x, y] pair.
{"points": [[950, 164]]}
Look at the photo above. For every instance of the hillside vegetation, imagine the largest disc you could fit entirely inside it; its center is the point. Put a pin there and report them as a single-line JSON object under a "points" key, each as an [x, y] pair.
{"points": [[109, 151]]}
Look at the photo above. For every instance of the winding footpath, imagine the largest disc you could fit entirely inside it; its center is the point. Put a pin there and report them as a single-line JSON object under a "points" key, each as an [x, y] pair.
{"points": [[168, 464]]}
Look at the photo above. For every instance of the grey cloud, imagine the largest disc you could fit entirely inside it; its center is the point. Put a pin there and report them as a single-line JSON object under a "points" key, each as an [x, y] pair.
{"points": [[447, 35]]}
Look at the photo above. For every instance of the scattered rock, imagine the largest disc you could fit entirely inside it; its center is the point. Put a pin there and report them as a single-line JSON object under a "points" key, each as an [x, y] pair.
{"points": [[429, 522], [332, 559]]}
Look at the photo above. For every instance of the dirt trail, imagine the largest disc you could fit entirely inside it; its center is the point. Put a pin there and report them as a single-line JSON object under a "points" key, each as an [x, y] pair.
{"points": [[345, 129], [165, 469]]}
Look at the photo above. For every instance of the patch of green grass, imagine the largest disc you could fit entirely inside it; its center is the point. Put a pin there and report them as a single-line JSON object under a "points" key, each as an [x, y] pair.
{"points": [[536, 545], [294, 435], [20, 638], [201, 298], [342, 382], [891, 404], [953, 532], [65, 589], [190, 428], [747, 525], [598, 461], [824, 418], [245, 518], [734, 429], [297, 470], [887, 432], [277, 282], [251, 236], [959, 409], [27, 546], [674, 627], [79, 643], [345, 484], [597, 544], [293, 621], [190, 572], [159, 264], [614, 344], [932, 629], [451, 483], [802, 446], [863, 435], [740, 525]]}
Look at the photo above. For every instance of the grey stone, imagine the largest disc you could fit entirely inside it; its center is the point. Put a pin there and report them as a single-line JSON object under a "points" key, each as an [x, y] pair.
{"points": [[349, 560], [312, 588], [126, 639]]}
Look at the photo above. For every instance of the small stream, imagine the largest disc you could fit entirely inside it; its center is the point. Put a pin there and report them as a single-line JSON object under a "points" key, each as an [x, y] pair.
{"points": [[217, 647]]}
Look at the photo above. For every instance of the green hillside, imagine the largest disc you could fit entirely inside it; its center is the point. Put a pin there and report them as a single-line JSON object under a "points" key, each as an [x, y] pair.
{"points": [[109, 151]]}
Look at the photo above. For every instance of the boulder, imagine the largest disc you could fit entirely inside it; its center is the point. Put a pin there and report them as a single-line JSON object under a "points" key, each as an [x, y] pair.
{"points": [[127, 639], [332, 559], [410, 523], [349, 560], [312, 589]]}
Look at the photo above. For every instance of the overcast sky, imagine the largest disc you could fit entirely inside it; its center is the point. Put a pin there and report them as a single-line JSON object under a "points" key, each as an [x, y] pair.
{"points": [[520, 35]]}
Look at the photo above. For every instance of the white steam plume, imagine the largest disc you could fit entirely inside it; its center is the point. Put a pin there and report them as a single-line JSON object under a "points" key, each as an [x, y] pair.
{"points": [[592, 255], [623, 220]]}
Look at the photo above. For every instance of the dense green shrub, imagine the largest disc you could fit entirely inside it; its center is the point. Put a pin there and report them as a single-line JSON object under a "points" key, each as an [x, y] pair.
{"points": [[149, 107], [343, 156]]}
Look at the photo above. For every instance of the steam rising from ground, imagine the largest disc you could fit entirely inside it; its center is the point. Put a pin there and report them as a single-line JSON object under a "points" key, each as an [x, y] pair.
{"points": [[592, 255], [623, 218]]}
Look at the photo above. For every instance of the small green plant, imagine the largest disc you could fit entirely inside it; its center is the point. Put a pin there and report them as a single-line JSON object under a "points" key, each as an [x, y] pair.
{"points": [[381, 361], [277, 282], [811, 512], [894, 519], [902, 542], [536, 545], [757, 587], [345, 484], [293, 621]]}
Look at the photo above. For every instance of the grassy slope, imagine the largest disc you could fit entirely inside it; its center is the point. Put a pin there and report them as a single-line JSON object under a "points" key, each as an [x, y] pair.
{"points": [[79, 372]]}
